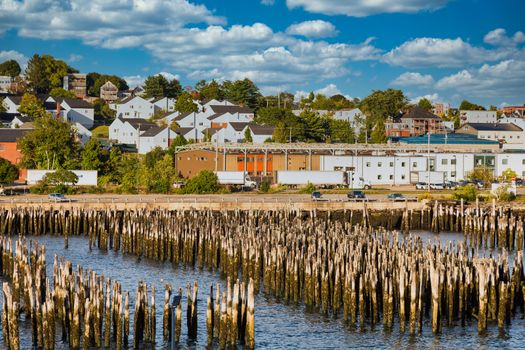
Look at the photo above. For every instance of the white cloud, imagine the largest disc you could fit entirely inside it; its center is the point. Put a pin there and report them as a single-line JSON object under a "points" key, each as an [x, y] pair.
{"points": [[413, 79], [268, 2], [505, 79], [498, 37], [362, 8], [431, 97], [313, 29], [74, 58], [329, 90], [14, 55], [135, 80]]}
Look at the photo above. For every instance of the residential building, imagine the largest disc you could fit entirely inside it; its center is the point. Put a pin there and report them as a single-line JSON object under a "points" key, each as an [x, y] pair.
{"points": [[11, 103], [415, 122], [478, 117], [6, 119], [261, 133], [19, 120], [82, 133], [135, 107], [190, 133], [72, 110], [520, 110], [154, 137], [76, 83], [441, 109], [109, 92], [9, 144], [503, 133], [165, 104], [5, 83]]}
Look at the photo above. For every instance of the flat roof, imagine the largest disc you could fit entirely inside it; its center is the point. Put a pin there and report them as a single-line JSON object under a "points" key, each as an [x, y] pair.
{"points": [[449, 139]]}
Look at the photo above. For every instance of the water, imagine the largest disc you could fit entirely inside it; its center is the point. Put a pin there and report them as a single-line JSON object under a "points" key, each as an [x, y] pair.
{"points": [[277, 326]]}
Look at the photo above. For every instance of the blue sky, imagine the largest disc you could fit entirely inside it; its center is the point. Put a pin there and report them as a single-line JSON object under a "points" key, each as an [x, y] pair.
{"points": [[447, 50]]}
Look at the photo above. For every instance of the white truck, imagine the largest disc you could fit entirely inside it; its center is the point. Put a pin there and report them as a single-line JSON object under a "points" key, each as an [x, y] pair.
{"points": [[432, 177], [317, 178], [235, 178], [357, 183]]}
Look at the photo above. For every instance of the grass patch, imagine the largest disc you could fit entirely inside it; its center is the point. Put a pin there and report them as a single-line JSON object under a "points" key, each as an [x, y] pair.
{"points": [[100, 132]]}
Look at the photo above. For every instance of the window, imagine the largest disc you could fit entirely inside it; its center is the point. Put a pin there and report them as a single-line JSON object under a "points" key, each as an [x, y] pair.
{"points": [[402, 164], [523, 161], [444, 161], [391, 177], [453, 161], [452, 174], [391, 164], [368, 164], [379, 177], [504, 161], [402, 177], [379, 164]]}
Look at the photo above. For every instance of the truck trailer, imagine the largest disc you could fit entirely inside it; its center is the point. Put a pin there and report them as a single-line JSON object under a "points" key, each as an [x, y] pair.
{"points": [[432, 177], [235, 178], [317, 178]]}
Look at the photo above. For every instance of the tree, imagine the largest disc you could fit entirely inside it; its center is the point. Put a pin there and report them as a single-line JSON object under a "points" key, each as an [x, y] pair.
{"points": [[59, 181], [425, 104], [185, 104], [10, 68], [8, 172], [321, 102], [50, 145], [205, 182], [248, 136], [508, 175], [378, 134], [36, 75], [279, 133], [212, 90], [32, 106], [94, 82], [383, 104], [161, 175], [481, 173], [93, 156], [468, 192], [315, 127], [242, 92], [153, 156], [469, 106], [102, 110], [158, 86], [60, 92], [341, 131], [174, 89]]}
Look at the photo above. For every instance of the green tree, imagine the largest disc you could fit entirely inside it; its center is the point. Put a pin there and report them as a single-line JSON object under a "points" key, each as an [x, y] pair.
{"points": [[60, 92], [425, 104], [158, 86], [321, 102], [10, 68], [378, 134], [94, 156], [50, 145], [242, 92], [481, 173], [383, 104], [37, 76], [174, 89], [204, 183], [153, 156], [8, 172], [58, 181], [508, 175], [212, 90], [280, 133], [94, 82], [102, 111], [469, 106], [32, 106], [468, 192], [248, 136], [341, 131], [161, 175], [315, 126], [185, 104]]}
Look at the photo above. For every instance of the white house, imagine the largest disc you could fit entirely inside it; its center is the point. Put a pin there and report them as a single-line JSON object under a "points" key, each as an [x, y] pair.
{"points": [[166, 104], [11, 103], [127, 131], [154, 137], [190, 133], [261, 133], [83, 133], [478, 117], [232, 132], [135, 107], [5, 83], [73, 110], [214, 102]]}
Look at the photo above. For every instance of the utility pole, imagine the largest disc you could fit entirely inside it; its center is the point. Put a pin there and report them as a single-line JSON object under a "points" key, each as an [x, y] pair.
{"points": [[290, 139], [428, 160]]}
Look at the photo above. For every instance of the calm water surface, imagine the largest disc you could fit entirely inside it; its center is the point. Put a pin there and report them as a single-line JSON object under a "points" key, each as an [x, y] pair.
{"points": [[277, 326]]}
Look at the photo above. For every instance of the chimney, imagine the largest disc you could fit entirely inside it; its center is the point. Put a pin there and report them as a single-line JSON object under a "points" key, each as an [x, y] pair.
{"points": [[59, 108]]}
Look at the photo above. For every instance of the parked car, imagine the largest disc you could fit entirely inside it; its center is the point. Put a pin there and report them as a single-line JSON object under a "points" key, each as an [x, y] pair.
{"points": [[520, 182], [317, 196], [396, 197], [437, 186], [451, 184], [57, 197], [356, 195], [421, 186]]}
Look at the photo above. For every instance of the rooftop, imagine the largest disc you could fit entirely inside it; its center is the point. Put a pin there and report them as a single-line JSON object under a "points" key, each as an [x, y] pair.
{"points": [[230, 109], [450, 139], [12, 135], [417, 112], [493, 127]]}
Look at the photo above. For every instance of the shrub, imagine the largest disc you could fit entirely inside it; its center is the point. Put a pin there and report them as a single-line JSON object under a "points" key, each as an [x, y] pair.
{"points": [[8, 172], [468, 192], [503, 194], [205, 182], [265, 186], [309, 188], [59, 181]]}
